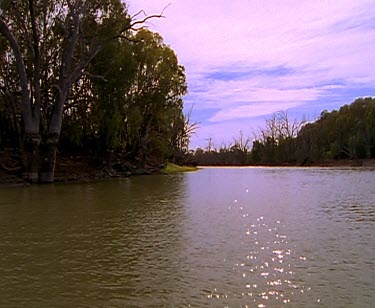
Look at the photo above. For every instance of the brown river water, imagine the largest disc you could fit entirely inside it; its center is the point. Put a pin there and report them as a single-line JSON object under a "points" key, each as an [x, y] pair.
{"points": [[219, 237]]}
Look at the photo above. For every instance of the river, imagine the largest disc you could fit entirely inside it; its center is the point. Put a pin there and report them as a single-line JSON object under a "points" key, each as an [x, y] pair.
{"points": [[219, 237]]}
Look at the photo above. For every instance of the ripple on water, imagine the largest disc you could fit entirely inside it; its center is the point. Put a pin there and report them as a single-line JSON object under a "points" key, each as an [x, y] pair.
{"points": [[261, 237], [268, 269]]}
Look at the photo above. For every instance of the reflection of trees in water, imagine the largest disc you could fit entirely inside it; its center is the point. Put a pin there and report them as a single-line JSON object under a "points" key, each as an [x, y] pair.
{"points": [[93, 243], [153, 243]]}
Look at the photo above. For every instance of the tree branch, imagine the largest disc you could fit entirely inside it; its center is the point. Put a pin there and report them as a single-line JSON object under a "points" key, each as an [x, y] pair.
{"points": [[35, 37], [26, 110], [146, 18]]}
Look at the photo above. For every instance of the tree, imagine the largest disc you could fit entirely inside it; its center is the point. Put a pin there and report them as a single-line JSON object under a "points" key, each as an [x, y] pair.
{"points": [[182, 129], [110, 96], [154, 117], [133, 103], [348, 133], [276, 142], [50, 45]]}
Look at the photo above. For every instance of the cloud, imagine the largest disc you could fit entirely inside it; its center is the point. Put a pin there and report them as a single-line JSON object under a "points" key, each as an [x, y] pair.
{"points": [[244, 58], [263, 33], [251, 111], [224, 94]]}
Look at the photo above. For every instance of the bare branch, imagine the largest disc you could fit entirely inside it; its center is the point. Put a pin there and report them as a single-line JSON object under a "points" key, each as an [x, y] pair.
{"points": [[138, 13], [138, 22], [144, 13], [145, 19], [99, 77]]}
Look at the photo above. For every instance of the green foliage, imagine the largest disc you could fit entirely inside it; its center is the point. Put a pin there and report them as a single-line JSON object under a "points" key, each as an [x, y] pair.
{"points": [[135, 100], [173, 168], [344, 134], [348, 133], [126, 87]]}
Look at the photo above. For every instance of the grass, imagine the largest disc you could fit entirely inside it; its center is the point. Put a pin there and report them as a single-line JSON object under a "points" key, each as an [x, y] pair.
{"points": [[173, 168]]}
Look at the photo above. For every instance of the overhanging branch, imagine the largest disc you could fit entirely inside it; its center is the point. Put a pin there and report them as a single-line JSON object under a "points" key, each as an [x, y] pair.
{"points": [[134, 22]]}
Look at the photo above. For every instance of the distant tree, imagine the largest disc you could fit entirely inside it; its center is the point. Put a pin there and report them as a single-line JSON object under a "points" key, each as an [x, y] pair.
{"points": [[348, 133]]}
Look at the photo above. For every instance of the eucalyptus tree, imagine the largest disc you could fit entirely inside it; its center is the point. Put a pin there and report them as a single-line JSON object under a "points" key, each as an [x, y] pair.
{"points": [[134, 106], [182, 130], [50, 45], [10, 130], [113, 72], [153, 112]]}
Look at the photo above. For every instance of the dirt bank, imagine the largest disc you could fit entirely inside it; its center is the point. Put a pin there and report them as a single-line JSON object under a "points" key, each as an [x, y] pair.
{"points": [[75, 169]]}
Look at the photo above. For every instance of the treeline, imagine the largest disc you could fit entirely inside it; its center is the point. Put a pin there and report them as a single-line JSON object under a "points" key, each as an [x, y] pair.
{"points": [[85, 77], [348, 133]]}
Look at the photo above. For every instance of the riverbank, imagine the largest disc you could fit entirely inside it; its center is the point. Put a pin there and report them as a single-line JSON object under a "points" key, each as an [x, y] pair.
{"points": [[347, 163], [81, 169], [370, 163], [171, 168]]}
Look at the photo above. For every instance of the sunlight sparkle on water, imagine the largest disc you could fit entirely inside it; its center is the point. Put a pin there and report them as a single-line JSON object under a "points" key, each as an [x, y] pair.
{"points": [[261, 259], [268, 263]]}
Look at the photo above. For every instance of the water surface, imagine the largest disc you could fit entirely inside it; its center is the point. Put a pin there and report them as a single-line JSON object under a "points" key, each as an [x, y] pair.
{"points": [[220, 237]]}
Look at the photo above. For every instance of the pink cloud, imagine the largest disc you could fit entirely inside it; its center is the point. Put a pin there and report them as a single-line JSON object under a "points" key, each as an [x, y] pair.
{"points": [[326, 45]]}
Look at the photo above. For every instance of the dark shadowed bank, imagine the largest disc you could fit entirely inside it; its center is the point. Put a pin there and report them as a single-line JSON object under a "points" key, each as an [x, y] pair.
{"points": [[80, 169], [344, 138], [87, 92], [342, 163]]}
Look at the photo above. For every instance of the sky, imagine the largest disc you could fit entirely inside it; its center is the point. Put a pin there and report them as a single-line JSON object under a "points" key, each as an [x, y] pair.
{"points": [[248, 59]]}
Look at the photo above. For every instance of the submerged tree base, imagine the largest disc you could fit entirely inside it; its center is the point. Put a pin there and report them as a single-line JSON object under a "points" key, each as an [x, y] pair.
{"points": [[80, 169], [84, 168]]}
